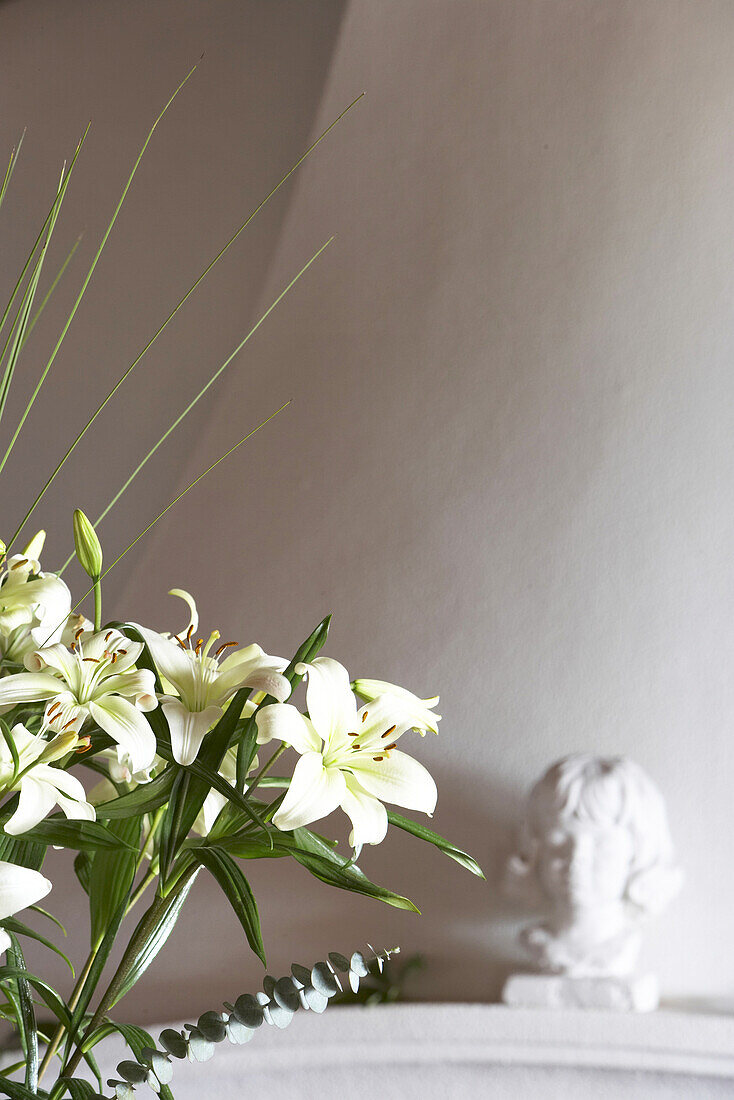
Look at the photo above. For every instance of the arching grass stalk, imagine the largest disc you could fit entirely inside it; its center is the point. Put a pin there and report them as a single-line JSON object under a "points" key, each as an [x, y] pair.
{"points": [[169, 506], [201, 393], [14, 154], [79, 298], [18, 330], [51, 289], [42, 230], [174, 311]]}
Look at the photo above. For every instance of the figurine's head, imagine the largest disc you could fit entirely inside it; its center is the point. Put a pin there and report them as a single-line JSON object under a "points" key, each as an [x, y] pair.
{"points": [[596, 832]]}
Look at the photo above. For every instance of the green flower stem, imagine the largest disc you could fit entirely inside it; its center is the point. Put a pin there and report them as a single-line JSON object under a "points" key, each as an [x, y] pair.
{"points": [[146, 926], [150, 877], [142, 932], [266, 768], [97, 604], [58, 1034]]}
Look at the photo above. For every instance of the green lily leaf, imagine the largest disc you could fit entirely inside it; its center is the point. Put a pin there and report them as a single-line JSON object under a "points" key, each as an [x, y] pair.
{"points": [[112, 874], [26, 1015], [448, 849], [16, 1091], [305, 653], [12, 924], [143, 800], [78, 1089], [156, 938], [44, 990], [320, 859], [86, 836], [238, 891]]}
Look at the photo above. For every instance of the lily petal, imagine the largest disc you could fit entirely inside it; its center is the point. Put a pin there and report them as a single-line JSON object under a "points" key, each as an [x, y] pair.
{"points": [[57, 657], [367, 814], [19, 888], [127, 726], [331, 704], [314, 792], [37, 799], [188, 728], [425, 719], [399, 779], [193, 623], [387, 712], [28, 687], [284, 723], [138, 685], [252, 667], [170, 659], [76, 810]]}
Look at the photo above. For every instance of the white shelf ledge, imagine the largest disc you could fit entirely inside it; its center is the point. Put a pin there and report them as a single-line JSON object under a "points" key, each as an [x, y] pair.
{"points": [[454, 1049]]}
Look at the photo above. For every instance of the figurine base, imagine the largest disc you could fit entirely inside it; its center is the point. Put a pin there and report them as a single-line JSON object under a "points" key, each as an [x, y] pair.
{"points": [[632, 994]]}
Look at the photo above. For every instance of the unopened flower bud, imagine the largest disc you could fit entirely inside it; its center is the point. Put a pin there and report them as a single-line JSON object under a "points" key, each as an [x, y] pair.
{"points": [[87, 545], [59, 746]]}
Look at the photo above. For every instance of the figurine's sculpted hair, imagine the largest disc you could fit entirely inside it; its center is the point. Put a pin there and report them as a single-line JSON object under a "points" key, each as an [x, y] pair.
{"points": [[603, 791]]}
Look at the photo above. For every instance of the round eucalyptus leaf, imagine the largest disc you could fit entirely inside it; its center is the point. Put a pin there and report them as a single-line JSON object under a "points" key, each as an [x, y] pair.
{"points": [[358, 964], [277, 1015], [286, 994], [123, 1091], [133, 1072], [339, 961], [152, 1081], [269, 985], [212, 1027], [324, 980], [161, 1066], [354, 981], [262, 998], [237, 1032], [174, 1043], [247, 1010], [200, 1049], [316, 1000], [301, 974]]}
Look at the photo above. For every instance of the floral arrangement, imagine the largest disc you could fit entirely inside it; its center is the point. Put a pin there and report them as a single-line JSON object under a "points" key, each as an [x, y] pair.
{"points": [[169, 727]]}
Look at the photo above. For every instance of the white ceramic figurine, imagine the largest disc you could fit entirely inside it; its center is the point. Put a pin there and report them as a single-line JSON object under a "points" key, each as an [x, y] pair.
{"points": [[596, 849]]}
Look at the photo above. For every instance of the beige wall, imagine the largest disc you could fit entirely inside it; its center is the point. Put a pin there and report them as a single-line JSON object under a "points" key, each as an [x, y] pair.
{"points": [[507, 465]]}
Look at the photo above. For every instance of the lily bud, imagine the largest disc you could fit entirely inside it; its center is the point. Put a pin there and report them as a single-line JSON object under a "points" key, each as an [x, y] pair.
{"points": [[87, 545], [59, 746]]}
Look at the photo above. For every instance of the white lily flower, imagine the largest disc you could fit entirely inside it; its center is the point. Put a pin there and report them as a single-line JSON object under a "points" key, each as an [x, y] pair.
{"points": [[34, 606], [41, 786], [425, 719], [202, 685], [93, 678], [348, 756], [19, 888]]}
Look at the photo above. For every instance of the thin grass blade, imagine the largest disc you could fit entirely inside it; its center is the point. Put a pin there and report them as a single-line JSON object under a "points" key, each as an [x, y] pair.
{"points": [[14, 154], [175, 310], [82, 292], [176, 500], [39, 238]]}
